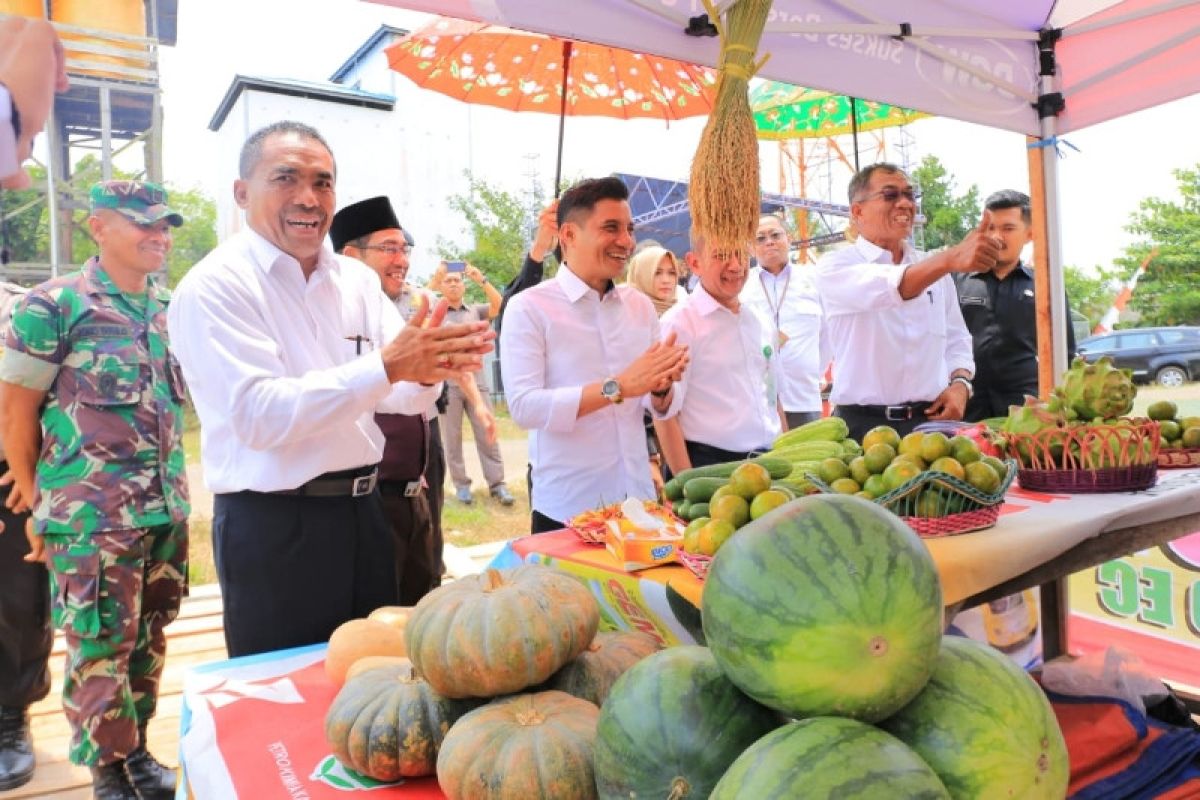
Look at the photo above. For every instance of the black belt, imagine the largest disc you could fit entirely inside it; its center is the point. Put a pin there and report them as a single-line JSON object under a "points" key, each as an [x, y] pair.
{"points": [[898, 413], [347, 483], [402, 488]]}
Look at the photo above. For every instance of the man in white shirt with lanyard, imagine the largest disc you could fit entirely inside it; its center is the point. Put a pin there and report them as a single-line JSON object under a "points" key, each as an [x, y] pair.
{"points": [[289, 350], [582, 360], [901, 352], [785, 298], [727, 405]]}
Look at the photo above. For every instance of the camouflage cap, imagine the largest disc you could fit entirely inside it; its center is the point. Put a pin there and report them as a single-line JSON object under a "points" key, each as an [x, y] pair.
{"points": [[140, 201]]}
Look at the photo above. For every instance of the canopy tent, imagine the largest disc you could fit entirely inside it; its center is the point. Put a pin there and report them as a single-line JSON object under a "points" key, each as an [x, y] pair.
{"points": [[1031, 66]]}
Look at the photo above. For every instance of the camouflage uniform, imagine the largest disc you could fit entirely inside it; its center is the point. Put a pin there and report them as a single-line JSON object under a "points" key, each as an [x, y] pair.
{"points": [[111, 497]]}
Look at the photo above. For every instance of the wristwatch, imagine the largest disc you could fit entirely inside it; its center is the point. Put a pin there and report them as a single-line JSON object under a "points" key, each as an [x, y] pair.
{"points": [[610, 390], [965, 382]]}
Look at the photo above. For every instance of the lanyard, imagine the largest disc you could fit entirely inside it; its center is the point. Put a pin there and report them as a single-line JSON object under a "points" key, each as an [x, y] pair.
{"points": [[776, 306]]}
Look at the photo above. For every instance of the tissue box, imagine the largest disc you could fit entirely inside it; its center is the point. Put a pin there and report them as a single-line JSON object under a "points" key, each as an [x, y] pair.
{"points": [[638, 549]]}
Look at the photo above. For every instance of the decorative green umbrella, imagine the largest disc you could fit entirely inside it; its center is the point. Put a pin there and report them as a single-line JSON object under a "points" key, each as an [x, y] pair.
{"points": [[784, 111]]}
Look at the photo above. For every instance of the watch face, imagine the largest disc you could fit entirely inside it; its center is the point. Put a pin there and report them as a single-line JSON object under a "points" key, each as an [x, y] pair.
{"points": [[611, 389]]}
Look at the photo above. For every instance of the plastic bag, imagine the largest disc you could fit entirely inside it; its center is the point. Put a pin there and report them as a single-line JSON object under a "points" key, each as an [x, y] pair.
{"points": [[1114, 672]]}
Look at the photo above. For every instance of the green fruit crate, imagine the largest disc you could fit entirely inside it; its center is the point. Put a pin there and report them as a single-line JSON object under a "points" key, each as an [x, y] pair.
{"points": [[1088, 459], [937, 504]]}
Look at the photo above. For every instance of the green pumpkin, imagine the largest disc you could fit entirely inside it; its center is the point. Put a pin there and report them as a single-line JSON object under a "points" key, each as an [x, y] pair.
{"points": [[592, 674], [522, 748], [387, 723]]}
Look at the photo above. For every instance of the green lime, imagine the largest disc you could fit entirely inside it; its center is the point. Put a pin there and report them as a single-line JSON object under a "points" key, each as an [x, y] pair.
{"points": [[845, 486], [949, 466], [881, 434], [934, 446], [731, 508], [766, 502], [964, 450], [831, 469], [983, 477], [750, 479], [878, 456], [899, 473], [858, 470]]}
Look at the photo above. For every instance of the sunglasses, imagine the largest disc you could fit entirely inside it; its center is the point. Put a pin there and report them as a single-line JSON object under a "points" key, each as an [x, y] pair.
{"points": [[891, 194], [773, 236]]}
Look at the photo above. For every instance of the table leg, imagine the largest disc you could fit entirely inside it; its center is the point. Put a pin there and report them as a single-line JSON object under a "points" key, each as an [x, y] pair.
{"points": [[1054, 611]]}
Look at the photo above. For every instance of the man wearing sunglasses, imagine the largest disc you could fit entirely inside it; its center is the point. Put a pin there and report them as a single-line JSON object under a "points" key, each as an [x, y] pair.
{"points": [[785, 298], [901, 352]]}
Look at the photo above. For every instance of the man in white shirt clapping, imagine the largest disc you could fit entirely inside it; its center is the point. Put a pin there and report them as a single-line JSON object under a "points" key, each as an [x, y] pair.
{"points": [[727, 406], [901, 352], [289, 350], [581, 360]]}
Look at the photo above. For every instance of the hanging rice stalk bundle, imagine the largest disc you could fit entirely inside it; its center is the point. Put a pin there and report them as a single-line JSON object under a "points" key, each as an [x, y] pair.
{"points": [[723, 191]]}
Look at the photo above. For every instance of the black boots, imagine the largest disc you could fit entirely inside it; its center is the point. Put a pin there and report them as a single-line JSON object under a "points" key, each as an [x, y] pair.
{"points": [[111, 782], [152, 779], [16, 748]]}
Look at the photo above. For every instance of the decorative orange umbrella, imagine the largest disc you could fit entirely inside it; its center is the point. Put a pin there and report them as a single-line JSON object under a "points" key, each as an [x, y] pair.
{"points": [[519, 71]]}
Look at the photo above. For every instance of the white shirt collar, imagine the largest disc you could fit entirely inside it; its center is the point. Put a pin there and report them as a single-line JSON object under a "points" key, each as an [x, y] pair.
{"points": [[573, 286], [781, 275], [873, 253], [266, 255], [705, 304]]}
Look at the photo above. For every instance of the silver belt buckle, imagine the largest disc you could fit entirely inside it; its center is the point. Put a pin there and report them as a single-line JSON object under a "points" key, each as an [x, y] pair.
{"points": [[412, 488], [904, 411], [363, 485]]}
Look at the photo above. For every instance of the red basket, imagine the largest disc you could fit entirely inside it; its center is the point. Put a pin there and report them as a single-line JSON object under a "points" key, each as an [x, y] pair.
{"points": [[1179, 459], [967, 521], [1089, 481], [697, 563], [1091, 448]]}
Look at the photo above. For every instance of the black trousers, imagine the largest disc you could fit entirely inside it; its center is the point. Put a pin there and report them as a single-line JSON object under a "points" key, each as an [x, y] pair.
{"points": [[860, 419], [540, 523], [703, 455], [435, 476], [418, 561], [293, 568], [25, 632]]}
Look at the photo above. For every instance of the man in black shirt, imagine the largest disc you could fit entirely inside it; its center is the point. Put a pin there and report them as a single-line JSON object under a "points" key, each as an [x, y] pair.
{"points": [[998, 307]]}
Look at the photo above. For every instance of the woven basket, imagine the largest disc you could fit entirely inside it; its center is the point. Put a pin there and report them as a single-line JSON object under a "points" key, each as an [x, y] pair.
{"points": [[936, 504], [697, 563], [1088, 458], [1179, 459], [1089, 481]]}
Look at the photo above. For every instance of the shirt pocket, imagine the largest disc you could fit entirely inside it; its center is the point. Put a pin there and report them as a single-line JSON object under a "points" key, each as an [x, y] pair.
{"points": [[75, 588], [109, 389]]}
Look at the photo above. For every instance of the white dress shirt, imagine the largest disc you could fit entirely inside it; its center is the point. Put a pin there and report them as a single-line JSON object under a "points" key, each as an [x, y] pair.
{"points": [[274, 365], [558, 337], [788, 303], [725, 398], [887, 350]]}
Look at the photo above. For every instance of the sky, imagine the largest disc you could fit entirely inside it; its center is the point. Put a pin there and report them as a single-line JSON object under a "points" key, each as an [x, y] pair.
{"points": [[1118, 163]]}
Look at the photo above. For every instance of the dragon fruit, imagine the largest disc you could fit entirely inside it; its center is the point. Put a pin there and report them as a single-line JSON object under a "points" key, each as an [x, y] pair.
{"points": [[1095, 391], [1030, 419]]}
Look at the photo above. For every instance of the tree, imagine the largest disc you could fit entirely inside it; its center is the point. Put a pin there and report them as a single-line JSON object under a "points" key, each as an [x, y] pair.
{"points": [[28, 227], [1090, 294], [948, 217], [1168, 293], [499, 224]]}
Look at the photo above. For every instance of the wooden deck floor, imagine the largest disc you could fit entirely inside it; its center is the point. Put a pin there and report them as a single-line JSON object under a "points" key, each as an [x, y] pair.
{"points": [[194, 638]]}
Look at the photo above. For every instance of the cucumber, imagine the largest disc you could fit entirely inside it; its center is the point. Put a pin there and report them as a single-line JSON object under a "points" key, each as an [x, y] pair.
{"points": [[697, 510], [700, 490], [777, 467], [673, 489], [677, 507]]}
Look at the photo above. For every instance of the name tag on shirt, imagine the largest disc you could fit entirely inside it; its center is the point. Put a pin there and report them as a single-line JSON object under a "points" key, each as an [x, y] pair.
{"points": [[973, 301]]}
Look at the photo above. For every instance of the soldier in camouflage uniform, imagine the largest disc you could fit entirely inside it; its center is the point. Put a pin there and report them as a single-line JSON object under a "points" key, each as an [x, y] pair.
{"points": [[91, 399]]}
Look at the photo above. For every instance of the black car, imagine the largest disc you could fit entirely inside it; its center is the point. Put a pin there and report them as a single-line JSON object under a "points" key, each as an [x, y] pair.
{"points": [[1169, 356]]}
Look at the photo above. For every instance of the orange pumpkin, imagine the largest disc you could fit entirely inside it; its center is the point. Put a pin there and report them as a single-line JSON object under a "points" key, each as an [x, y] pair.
{"points": [[591, 675], [396, 616], [501, 631], [521, 748], [357, 639], [387, 723]]}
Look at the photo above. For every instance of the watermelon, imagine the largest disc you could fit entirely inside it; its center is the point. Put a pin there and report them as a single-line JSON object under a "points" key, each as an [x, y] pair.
{"points": [[829, 757], [671, 726], [985, 727], [828, 605]]}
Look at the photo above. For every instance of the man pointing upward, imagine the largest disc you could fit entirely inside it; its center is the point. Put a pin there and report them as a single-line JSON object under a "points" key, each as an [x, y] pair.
{"points": [[901, 352]]}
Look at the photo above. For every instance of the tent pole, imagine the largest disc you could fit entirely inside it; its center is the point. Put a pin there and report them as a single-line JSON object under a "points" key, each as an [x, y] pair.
{"points": [[562, 115], [854, 129]]}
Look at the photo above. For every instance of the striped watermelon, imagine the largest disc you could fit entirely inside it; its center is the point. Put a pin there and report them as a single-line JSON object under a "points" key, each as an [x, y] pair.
{"points": [[671, 725], [829, 757], [829, 605], [985, 727]]}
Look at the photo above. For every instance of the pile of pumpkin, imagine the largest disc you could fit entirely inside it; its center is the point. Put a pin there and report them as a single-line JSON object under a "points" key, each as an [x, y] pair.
{"points": [[498, 696], [825, 674]]}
